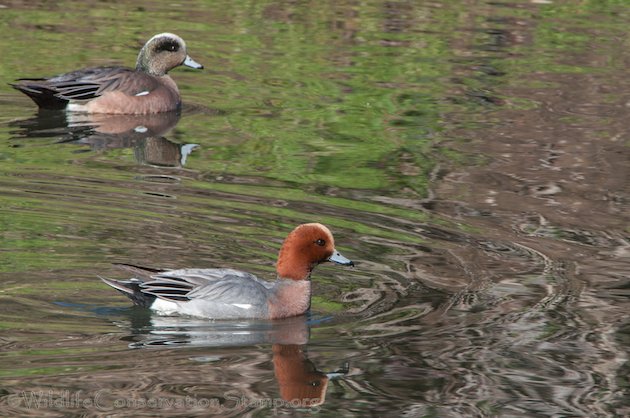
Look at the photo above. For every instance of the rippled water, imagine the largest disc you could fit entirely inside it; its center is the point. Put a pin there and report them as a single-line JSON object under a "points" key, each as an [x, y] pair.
{"points": [[472, 159]]}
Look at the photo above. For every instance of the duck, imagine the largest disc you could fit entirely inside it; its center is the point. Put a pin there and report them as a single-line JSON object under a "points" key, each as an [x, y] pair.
{"points": [[117, 90], [222, 293]]}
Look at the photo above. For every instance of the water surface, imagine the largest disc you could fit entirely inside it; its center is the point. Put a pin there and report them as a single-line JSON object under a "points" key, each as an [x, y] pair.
{"points": [[471, 158]]}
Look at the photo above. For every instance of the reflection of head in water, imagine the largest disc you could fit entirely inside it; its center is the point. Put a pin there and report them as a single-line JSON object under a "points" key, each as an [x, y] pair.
{"points": [[301, 384]]}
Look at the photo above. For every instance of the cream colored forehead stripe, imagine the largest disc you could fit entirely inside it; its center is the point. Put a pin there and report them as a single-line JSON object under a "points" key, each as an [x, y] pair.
{"points": [[330, 235], [169, 35], [325, 229]]}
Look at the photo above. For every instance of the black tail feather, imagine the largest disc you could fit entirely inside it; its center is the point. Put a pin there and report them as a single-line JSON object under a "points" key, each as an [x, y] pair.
{"points": [[131, 289], [43, 97], [139, 272]]}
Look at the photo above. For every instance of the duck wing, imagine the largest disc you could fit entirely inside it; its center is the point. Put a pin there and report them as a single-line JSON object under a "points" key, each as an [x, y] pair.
{"points": [[210, 285], [88, 83]]}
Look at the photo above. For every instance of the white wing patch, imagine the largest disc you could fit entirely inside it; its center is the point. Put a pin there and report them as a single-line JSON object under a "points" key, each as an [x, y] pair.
{"points": [[143, 93], [242, 305]]}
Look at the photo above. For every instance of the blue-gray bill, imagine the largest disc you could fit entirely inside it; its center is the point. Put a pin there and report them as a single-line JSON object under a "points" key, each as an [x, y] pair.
{"points": [[189, 62], [336, 257]]}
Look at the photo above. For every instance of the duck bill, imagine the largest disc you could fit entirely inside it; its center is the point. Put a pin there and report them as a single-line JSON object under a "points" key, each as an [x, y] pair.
{"points": [[336, 257], [189, 62]]}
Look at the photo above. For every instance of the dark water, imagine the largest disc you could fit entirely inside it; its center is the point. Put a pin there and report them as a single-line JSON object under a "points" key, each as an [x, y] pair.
{"points": [[470, 157]]}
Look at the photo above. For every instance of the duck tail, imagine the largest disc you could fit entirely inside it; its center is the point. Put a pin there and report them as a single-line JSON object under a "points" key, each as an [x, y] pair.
{"points": [[139, 272], [131, 289], [44, 96]]}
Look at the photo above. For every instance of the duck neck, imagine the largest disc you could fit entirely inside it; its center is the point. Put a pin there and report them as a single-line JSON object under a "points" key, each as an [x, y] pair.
{"points": [[143, 64], [293, 265]]}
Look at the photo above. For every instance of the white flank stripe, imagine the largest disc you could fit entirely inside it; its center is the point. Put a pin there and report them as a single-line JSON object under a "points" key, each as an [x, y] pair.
{"points": [[164, 307], [73, 107]]}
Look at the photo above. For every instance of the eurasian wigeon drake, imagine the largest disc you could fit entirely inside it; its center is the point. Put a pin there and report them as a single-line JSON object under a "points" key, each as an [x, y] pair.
{"points": [[232, 294], [117, 90]]}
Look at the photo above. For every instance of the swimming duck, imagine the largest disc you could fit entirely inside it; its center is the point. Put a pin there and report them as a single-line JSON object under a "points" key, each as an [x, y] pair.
{"points": [[117, 90], [231, 294]]}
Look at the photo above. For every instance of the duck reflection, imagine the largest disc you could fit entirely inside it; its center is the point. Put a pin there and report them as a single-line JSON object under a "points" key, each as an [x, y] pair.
{"points": [[155, 330], [143, 133], [300, 383]]}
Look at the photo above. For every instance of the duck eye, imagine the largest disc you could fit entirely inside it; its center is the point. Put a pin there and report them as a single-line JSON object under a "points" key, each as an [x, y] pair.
{"points": [[169, 46], [320, 242]]}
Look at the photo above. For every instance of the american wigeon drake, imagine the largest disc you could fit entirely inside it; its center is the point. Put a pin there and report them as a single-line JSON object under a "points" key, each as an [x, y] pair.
{"points": [[232, 294], [117, 90]]}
